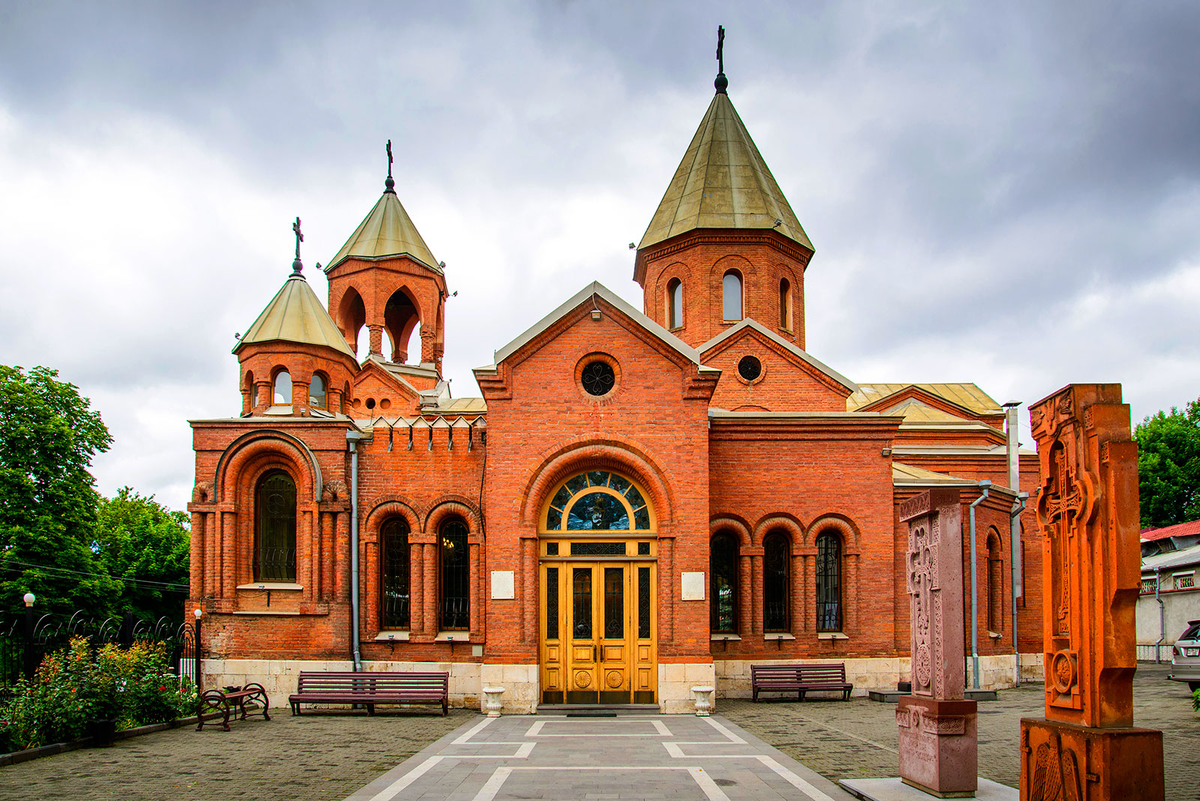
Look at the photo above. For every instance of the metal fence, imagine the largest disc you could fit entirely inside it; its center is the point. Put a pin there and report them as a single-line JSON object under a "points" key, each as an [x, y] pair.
{"points": [[26, 639]]}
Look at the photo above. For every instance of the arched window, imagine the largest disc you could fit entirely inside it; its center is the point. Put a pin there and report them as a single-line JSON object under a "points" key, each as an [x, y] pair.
{"points": [[777, 556], [723, 556], [275, 528], [394, 555], [674, 304], [731, 290], [995, 584], [248, 390], [283, 388], [316, 392], [829, 582], [785, 304], [598, 500], [455, 604]]}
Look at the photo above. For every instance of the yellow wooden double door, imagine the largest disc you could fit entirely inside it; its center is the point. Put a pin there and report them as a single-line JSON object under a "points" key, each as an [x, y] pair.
{"points": [[598, 632]]}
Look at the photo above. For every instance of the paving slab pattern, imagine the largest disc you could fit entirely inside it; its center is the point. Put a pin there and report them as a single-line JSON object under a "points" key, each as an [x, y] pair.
{"points": [[626, 757], [858, 738]]}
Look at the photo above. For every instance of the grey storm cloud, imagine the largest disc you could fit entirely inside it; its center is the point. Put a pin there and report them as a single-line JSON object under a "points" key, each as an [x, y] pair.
{"points": [[999, 193]]}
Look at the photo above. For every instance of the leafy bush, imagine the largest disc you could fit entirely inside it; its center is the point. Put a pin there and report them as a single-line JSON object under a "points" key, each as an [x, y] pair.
{"points": [[73, 686], [1196, 700]]}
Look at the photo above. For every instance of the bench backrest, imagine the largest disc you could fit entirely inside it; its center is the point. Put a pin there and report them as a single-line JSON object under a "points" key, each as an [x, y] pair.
{"points": [[349, 682], [821, 672]]}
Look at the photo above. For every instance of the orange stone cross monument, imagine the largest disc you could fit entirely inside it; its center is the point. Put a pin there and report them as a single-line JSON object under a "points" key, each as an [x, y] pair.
{"points": [[938, 743], [1086, 747]]}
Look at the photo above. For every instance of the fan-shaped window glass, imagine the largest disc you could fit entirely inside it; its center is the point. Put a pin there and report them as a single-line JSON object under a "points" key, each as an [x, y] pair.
{"points": [[316, 392], [731, 290], [275, 528], [723, 555], [598, 501], [394, 553], [674, 303], [455, 573], [776, 558], [283, 388], [829, 582]]}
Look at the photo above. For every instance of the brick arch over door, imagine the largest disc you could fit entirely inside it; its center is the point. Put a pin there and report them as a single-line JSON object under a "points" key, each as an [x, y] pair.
{"points": [[850, 572], [247, 446]]}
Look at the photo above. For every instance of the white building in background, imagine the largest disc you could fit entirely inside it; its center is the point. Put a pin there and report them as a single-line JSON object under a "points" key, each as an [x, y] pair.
{"points": [[1170, 594]]}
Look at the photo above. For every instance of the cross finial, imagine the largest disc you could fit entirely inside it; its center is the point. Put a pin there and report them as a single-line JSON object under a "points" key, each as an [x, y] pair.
{"points": [[721, 83], [297, 266], [389, 184]]}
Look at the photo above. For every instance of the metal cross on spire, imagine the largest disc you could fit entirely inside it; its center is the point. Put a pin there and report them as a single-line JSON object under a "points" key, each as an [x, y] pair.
{"points": [[297, 265], [389, 184], [721, 83]]}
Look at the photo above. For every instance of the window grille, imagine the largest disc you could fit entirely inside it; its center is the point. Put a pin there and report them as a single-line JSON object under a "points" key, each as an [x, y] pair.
{"points": [[644, 602], [456, 598], [1185, 581], [396, 604], [552, 603], [275, 507], [614, 603], [1148, 586], [829, 583], [581, 594], [724, 569], [776, 558]]}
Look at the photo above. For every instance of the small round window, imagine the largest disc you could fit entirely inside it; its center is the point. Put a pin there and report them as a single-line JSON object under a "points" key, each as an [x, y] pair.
{"points": [[750, 368], [598, 378]]}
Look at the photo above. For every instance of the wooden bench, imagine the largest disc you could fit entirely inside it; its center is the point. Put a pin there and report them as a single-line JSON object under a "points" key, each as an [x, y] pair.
{"points": [[370, 689], [799, 679], [231, 698]]}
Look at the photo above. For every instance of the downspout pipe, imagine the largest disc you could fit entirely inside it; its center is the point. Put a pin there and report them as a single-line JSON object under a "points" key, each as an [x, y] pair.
{"points": [[1162, 616], [985, 486], [1014, 526], [352, 438]]}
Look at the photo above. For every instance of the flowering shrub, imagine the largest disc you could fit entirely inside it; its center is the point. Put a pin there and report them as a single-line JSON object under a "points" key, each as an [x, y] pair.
{"points": [[73, 686]]}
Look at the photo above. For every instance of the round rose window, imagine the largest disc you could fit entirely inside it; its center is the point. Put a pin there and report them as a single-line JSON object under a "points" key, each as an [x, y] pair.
{"points": [[598, 378], [749, 368]]}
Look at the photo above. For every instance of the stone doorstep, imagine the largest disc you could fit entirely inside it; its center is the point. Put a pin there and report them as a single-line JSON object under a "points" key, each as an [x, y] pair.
{"points": [[896, 790]]}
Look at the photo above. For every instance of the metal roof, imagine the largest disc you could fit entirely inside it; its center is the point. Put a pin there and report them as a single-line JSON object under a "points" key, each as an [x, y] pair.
{"points": [[722, 182], [386, 232], [1172, 559], [907, 474], [967, 395], [296, 315]]}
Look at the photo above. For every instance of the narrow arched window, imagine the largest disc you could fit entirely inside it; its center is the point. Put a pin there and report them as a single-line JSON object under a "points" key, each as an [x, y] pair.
{"points": [[829, 582], [723, 555], [785, 304], [248, 399], [731, 291], [777, 556], [394, 554], [275, 528], [674, 304], [995, 585], [283, 388], [316, 392], [455, 606]]}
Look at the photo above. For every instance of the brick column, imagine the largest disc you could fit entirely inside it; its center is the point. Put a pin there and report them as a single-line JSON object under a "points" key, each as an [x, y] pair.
{"points": [[196, 577], [475, 584], [228, 554], [376, 339], [745, 606], [756, 589], [666, 592], [796, 595], [432, 622]]}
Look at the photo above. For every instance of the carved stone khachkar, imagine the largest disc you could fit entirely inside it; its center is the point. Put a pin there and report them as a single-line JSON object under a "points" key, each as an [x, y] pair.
{"points": [[1087, 513], [937, 727]]}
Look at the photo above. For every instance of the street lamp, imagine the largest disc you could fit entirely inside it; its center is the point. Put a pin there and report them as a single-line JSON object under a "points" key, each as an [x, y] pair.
{"points": [[29, 598]]}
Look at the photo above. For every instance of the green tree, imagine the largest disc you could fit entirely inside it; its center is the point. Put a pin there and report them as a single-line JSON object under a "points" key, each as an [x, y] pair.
{"points": [[1169, 466], [48, 437], [144, 545]]}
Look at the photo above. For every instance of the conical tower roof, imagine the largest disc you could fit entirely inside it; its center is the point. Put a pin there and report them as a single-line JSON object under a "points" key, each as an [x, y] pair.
{"points": [[386, 232], [722, 182], [296, 315]]}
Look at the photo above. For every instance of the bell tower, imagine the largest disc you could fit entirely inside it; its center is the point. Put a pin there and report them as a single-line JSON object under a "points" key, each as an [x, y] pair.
{"points": [[385, 278], [724, 244]]}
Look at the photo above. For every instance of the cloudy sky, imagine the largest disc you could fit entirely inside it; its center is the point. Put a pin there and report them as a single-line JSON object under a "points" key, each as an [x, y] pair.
{"points": [[1005, 193]]}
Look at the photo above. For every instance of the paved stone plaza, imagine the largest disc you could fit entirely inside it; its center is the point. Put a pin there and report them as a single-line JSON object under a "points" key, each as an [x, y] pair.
{"points": [[336, 756]]}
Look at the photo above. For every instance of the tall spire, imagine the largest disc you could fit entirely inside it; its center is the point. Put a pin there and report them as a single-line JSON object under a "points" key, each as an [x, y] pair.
{"points": [[297, 265], [721, 83]]}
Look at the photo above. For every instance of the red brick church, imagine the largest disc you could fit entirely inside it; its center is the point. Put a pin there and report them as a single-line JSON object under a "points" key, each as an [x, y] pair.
{"points": [[641, 500]]}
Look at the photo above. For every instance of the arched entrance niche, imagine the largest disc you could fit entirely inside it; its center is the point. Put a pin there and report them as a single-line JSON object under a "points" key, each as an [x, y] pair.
{"points": [[598, 587]]}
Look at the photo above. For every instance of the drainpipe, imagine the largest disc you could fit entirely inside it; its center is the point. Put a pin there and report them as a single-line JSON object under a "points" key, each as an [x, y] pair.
{"points": [[1014, 526], [352, 438], [984, 485], [1014, 523], [1162, 616]]}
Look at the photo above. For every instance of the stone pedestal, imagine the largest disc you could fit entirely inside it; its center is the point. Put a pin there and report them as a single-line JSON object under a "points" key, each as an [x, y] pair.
{"points": [[1067, 761], [938, 745]]}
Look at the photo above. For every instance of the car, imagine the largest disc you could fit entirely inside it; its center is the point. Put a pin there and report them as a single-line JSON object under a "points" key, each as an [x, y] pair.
{"points": [[1185, 657]]}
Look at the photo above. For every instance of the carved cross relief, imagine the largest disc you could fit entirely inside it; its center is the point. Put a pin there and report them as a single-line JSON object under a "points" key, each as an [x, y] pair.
{"points": [[922, 581]]}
